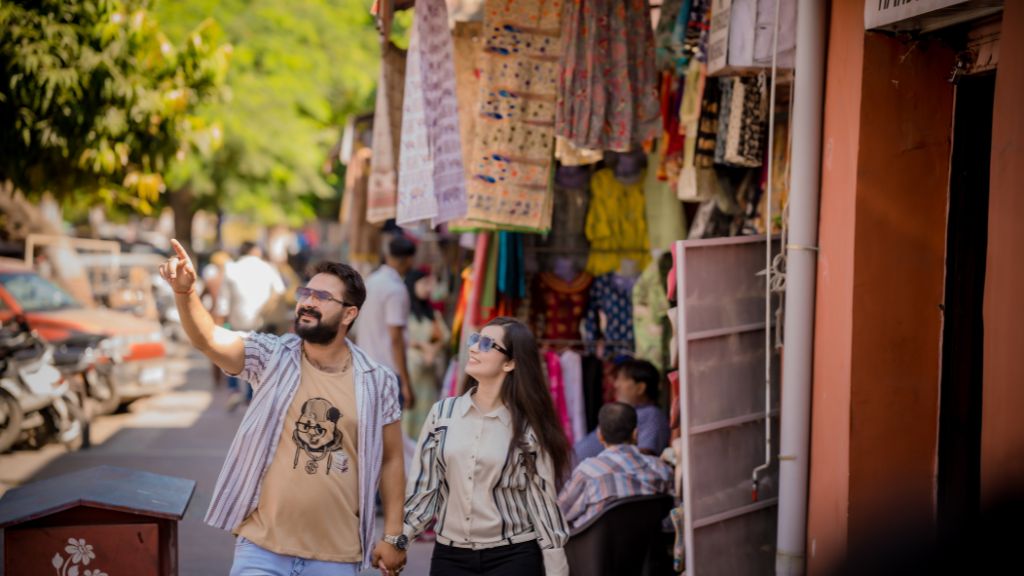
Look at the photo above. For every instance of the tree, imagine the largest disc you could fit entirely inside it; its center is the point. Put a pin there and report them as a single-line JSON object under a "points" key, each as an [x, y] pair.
{"points": [[95, 101], [299, 68]]}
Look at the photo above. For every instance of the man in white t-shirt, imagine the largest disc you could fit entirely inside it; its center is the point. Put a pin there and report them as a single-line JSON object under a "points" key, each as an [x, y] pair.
{"points": [[251, 286], [385, 314]]}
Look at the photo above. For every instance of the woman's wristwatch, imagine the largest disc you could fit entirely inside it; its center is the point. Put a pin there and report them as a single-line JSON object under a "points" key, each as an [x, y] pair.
{"points": [[400, 542]]}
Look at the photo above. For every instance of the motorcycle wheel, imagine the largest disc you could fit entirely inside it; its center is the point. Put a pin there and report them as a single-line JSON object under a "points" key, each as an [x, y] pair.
{"points": [[71, 437], [10, 421], [103, 392]]}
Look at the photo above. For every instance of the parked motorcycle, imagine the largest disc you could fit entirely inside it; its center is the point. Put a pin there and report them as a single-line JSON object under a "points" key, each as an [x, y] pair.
{"points": [[47, 407], [82, 360]]}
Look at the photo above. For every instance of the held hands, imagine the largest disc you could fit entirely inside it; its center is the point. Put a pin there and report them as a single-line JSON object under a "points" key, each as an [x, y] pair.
{"points": [[390, 560], [178, 271]]}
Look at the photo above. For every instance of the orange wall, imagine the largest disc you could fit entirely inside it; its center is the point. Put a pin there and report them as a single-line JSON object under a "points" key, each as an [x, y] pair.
{"points": [[885, 170], [828, 504], [902, 198], [1002, 442]]}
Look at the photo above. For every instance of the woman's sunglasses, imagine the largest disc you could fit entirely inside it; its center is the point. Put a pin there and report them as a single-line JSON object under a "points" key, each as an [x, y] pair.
{"points": [[317, 296], [486, 343]]}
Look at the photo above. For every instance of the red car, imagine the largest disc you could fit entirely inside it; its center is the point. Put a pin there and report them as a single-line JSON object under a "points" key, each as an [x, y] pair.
{"points": [[136, 346]]}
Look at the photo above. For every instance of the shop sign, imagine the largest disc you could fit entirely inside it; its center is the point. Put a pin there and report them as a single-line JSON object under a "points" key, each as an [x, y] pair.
{"points": [[881, 13]]}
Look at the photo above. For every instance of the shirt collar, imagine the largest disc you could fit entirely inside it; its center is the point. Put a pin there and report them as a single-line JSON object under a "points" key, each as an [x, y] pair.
{"points": [[501, 413]]}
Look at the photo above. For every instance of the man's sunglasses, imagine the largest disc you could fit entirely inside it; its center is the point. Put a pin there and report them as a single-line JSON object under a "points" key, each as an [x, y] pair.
{"points": [[317, 296], [486, 343]]}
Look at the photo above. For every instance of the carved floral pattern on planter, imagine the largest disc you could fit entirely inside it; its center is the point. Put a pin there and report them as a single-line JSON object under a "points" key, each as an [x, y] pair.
{"points": [[78, 553]]}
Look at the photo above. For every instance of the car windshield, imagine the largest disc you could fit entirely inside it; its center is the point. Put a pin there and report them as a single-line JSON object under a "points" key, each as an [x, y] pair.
{"points": [[36, 294]]}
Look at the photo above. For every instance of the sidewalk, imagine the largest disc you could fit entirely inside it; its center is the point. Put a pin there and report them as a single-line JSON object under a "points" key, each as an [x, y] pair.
{"points": [[184, 432]]}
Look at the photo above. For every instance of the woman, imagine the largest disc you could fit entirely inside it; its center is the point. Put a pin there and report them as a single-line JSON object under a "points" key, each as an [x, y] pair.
{"points": [[427, 335], [488, 465]]}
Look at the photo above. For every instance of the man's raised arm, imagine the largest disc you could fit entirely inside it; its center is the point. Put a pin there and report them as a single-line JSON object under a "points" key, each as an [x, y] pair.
{"points": [[224, 347]]}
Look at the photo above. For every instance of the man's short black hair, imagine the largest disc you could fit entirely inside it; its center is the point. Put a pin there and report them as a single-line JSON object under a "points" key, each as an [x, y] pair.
{"points": [[401, 247], [247, 247], [355, 290], [643, 372], [617, 421]]}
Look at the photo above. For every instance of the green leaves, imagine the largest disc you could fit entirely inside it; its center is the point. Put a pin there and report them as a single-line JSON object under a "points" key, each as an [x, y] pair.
{"points": [[298, 69], [95, 99]]}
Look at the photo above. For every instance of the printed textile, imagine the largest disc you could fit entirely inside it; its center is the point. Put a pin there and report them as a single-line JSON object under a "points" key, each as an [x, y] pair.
{"points": [[510, 175], [608, 88], [431, 181], [387, 129]]}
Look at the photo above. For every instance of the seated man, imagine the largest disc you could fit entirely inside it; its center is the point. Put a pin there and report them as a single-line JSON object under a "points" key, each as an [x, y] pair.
{"points": [[618, 472], [636, 384]]}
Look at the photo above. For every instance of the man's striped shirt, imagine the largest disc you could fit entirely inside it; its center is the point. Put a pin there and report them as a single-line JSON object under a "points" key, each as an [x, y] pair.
{"points": [[619, 471]]}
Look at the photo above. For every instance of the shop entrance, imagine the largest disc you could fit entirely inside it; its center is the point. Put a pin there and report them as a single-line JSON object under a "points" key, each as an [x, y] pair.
{"points": [[960, 412]]}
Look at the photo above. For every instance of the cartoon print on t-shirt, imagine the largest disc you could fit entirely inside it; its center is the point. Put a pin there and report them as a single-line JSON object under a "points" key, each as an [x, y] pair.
{"points": [[318, 435]]}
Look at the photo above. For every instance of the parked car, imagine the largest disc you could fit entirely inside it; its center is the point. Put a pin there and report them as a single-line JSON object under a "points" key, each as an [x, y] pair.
{"points": [[135, 346]]}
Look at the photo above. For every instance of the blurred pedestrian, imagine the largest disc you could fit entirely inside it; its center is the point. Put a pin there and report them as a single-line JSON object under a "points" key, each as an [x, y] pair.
{"points": [[213, 281], [386, 313], [488, 464], [427, 337], [251, 288], [298, 484]]}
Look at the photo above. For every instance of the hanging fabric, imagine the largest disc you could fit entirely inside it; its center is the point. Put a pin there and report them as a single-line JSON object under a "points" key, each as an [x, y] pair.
{"points": [[467, 41], [608, 87], [616, 225], [650, 305], [363, 237], [387, 129], [558, 305], [431, 181], [554, 369], [698, 181], [666, 221], [510, 176], [741, 121], [610, 314], [572, 377]]}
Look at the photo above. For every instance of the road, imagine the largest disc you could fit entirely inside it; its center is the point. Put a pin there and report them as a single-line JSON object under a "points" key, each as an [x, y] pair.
{"points": [[182, 432]]}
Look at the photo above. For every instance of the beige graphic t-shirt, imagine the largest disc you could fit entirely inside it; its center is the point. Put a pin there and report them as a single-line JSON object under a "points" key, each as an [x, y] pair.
{"points": [[309, 502]]}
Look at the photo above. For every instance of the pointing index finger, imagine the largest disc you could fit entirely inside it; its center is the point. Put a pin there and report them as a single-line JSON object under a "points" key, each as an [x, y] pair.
{"points": [[179, 249]]}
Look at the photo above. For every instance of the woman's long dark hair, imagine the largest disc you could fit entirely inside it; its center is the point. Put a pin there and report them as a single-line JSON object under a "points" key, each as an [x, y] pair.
{"points": [[419, 307], [527, 397]]}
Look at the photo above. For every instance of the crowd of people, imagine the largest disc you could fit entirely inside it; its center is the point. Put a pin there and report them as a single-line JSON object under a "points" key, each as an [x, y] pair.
{"points": [[335, 397]]}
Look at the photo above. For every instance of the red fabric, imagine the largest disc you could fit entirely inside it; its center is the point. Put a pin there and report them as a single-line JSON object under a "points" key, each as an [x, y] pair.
{"points": [[559, 306], [477, 286], [558, 393], [671, 290], [675, 415]]}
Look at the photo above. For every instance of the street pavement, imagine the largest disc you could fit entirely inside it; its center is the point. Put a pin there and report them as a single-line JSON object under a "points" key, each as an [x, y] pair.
{"points": [[182, 432]]}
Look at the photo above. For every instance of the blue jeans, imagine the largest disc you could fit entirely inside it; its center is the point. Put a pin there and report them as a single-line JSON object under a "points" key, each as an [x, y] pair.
{"points": [[251, 560]]}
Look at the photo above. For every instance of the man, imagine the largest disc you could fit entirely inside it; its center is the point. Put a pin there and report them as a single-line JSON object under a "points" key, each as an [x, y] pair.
{"points": [[636, 384], [620, 471], [250, 288], [382, 332], [299, 480]]}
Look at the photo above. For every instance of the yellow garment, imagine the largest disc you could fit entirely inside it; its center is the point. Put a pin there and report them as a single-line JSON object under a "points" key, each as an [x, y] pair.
{"points": [[616, 224]]}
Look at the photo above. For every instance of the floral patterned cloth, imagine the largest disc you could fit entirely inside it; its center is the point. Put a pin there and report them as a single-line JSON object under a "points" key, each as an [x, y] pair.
{"points": [[608, 88]]}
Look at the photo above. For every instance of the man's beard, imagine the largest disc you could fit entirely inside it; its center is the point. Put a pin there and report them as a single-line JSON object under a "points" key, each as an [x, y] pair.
{"points": [[319, 333]]}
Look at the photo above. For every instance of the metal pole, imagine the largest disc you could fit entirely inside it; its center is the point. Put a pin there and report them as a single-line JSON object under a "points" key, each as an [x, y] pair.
{"points": [[801, 262]]}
